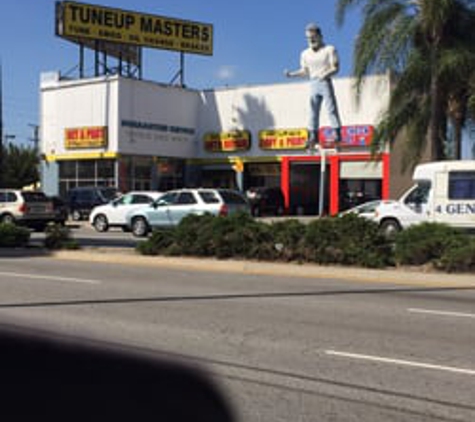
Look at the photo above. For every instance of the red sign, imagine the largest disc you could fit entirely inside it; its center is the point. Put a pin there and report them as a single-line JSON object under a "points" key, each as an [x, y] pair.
{"points": [[351, 136], [239, 140], [85, 137]]}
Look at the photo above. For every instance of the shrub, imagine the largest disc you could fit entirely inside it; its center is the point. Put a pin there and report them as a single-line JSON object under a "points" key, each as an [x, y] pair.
{"points": [[12, 236], [238, 236], [158, 244], [347, 240], [59, 237], [241, 236], [426, 243], [193, 236], [458, 258], [235, 236]]}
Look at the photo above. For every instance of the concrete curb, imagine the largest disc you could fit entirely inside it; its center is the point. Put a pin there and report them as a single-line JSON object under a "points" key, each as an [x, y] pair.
{"points": [[386, 276]]}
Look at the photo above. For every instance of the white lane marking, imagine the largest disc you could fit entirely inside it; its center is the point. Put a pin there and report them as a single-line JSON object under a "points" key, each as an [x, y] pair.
{"points": [[51, 278], [441, 313], [402, 362]]}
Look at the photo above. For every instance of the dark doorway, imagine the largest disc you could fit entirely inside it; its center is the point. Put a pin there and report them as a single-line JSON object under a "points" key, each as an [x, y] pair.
{"points": [[305, 188]]}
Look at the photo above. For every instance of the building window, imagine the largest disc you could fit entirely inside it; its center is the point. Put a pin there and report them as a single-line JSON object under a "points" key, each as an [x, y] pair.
{"points": [[74, 173], [354, 192], [262, 175], [171, 174]]}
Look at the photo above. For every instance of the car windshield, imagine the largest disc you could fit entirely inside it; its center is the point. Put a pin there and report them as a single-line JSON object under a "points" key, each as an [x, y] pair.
{"points": [[230, 197], [108, 194], [419, 194], [369, 207]]}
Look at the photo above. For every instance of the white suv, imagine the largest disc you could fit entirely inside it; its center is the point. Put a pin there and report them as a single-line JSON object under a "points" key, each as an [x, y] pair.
{"points": [[30, 209], [114, 213]]}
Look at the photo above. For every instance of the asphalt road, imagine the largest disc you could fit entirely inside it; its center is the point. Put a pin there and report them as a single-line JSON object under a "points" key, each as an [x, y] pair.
{"points": [[283, 348]]}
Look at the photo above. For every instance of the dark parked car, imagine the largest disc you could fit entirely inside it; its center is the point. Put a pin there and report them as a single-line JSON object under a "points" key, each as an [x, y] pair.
{"points": [[266, 200], [83, 199], [60, 209]]}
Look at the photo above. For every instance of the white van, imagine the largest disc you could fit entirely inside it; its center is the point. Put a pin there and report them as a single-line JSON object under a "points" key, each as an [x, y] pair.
{"points": [[444, 192]]}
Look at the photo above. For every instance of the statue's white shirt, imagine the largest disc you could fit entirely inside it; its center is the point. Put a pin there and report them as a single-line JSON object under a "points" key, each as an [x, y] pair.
{"points": [[319, 64]]}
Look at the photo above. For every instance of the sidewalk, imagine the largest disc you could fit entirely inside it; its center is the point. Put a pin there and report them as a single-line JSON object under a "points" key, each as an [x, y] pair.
{"points": [[406, 276]]}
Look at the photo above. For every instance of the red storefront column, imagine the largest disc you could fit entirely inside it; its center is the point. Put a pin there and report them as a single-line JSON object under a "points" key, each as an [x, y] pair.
{"points": [[285, 181], [334, 184], [386, 175]]}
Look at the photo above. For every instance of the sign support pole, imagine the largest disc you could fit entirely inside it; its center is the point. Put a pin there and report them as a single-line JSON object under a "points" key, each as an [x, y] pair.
{"points": [[182, 69]]}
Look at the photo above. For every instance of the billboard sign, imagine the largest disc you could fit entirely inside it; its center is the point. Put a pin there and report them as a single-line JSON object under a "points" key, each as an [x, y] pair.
{"points": [[79, 21], [238, 140], [284, 139], [85, 137], [351, 136]]}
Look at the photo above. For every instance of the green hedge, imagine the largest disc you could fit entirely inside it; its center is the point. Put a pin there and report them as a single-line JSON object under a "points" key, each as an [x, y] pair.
{"points": [[58, 236], [427, 243], [348, 240], [12, 236], [458, 258]]}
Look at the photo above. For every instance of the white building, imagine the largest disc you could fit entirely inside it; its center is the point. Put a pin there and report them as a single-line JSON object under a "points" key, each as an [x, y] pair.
{"points": [[135, 134]]}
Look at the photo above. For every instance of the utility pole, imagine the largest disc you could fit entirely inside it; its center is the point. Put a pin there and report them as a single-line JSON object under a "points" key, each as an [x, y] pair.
{"points": [[36, 136]]}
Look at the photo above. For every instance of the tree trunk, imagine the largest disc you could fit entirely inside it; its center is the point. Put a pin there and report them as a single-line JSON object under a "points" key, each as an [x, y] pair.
{"points": [[458, 125], [435, 137]]}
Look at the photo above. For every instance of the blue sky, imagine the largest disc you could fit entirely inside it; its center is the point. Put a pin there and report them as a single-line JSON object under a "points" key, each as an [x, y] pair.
{"points": [[254, 41]]}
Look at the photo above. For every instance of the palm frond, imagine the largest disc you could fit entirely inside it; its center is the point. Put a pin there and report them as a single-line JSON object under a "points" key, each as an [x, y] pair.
{"points": [[342, 9], [384, 36]]}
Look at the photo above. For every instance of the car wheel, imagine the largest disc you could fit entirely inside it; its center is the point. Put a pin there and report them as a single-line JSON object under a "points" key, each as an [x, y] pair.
{"points": [[390, 228], [76, 215], [139, 227], [100, 223], [7, 219]]}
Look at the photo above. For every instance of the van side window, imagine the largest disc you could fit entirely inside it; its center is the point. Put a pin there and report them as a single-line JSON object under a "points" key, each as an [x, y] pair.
{"points": [[462, 185]]}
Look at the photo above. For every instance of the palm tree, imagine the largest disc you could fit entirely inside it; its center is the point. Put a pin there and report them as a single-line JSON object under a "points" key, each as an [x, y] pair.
{"points": [[427, 45]]}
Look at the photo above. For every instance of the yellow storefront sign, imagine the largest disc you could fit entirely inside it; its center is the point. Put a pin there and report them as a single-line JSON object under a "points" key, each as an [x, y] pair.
{"points": [[283, 139], [239, 140], [85, 137], [86, 21]]}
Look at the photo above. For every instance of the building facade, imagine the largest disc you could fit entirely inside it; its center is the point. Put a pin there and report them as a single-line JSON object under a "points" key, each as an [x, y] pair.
{"points": [[135, 134]]}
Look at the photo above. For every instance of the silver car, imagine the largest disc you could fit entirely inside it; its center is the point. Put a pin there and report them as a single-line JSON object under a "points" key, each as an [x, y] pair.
{"points": [[174, 205]]}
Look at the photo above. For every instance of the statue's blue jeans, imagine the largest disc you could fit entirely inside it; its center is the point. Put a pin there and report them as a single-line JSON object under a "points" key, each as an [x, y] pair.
{"points": [[322, 91]]}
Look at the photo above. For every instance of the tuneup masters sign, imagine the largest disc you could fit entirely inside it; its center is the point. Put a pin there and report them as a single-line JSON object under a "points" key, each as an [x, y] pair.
{"points": [[86, 21]]}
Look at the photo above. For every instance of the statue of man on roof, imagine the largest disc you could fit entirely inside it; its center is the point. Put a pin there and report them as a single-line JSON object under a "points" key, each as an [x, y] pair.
{"points": [[319, 62]]}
